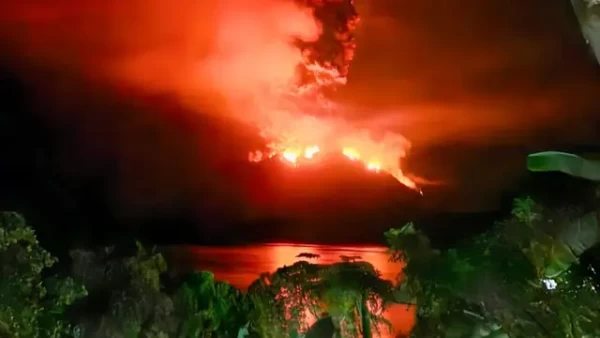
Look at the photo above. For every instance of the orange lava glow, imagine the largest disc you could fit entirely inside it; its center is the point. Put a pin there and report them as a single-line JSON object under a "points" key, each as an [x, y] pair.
{"points": [[296, 137], [299, 121], [271, 64], [297, 155]]}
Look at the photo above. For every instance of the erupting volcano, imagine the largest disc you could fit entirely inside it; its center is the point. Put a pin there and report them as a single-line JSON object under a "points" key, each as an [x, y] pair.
{"points": [[275, 65], [297, 114]]}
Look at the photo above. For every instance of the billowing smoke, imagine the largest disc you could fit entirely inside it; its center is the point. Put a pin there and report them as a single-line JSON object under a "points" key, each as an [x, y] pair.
{"points": [[272, 64], [483, 72], [335, 48], [336, 44]]}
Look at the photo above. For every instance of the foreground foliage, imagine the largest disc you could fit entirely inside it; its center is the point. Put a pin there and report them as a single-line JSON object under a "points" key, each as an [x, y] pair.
{"points": [[30, 305], [209, 307], [522, 278], [570, 164], [123, 296], [516, 280], [351, 294]]}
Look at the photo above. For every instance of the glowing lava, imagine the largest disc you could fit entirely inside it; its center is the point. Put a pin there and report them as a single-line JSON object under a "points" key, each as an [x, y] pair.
{"points": [[351, 154], [311, 151], [290, 156], [297, 156], [295, 114]]}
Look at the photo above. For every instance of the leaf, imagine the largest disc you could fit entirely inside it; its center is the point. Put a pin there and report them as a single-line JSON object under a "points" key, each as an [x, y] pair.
{"points": [[30, 305], [581, 234], [587, 12], [525, 210], [408, 229], [569, 164], [560, 259]]}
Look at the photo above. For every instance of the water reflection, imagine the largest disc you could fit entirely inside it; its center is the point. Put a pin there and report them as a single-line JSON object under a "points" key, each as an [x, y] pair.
{"points": [[241, 265]]}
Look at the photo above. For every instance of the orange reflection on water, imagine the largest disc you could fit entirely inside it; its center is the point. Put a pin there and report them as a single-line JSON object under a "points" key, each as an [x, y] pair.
{"points": [[242, 265]]}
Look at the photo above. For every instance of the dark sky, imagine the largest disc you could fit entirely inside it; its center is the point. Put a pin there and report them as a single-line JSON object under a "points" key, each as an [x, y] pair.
{"points": [[475, 85]]}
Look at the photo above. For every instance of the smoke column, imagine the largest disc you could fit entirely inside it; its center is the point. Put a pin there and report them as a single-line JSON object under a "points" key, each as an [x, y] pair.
{"points": [[274, 64]]}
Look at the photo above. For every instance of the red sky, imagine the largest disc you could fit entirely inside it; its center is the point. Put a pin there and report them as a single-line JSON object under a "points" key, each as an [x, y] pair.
{"points": [[502, 78], [487, 74]]}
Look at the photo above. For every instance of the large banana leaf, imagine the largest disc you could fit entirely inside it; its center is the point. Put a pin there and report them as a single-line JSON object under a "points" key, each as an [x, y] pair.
{"points": [[574, 239], [581, 234], [588, 15], [570, 164]]}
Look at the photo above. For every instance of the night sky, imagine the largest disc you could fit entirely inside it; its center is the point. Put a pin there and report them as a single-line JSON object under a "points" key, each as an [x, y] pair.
{"points": [[474, 85]]}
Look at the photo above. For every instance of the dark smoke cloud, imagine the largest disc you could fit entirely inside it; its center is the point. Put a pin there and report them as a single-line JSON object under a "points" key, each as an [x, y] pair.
{"points": [[336, 44], [148, 92]]}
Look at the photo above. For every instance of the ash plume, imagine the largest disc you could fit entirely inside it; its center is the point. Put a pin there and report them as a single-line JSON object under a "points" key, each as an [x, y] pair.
{"points": [[335, 48], [268, 63], [474, 74]]}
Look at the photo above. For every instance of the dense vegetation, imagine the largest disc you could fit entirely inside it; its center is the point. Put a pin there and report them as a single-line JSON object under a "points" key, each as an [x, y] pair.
{"points": [[516, 280], [521, 278], [110, 296]]}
